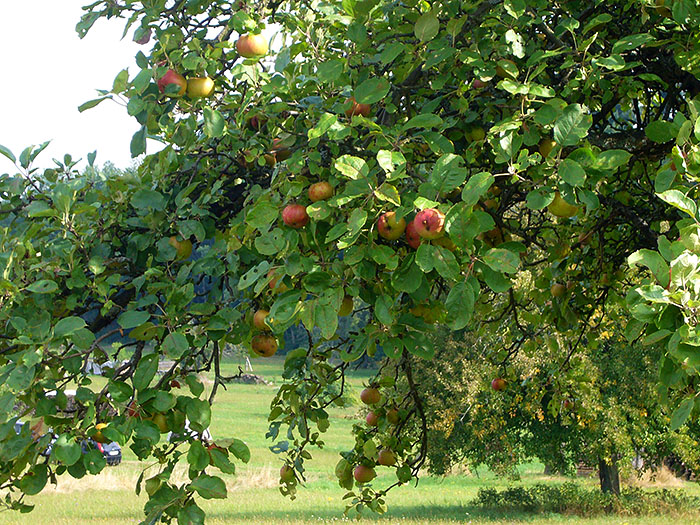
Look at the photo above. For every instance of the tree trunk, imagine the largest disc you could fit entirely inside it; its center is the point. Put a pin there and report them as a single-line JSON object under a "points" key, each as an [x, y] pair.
{"points": [[609, 476]]}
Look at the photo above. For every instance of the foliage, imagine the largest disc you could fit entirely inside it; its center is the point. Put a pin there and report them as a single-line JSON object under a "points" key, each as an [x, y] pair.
{"points": [[570, 498], [540, 131]]}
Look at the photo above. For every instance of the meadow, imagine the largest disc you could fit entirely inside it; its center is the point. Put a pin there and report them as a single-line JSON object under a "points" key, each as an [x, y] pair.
{"points": [[241, 411]]}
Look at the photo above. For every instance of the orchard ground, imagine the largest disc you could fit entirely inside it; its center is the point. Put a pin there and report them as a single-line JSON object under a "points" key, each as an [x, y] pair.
{"points": [[241, 411]]}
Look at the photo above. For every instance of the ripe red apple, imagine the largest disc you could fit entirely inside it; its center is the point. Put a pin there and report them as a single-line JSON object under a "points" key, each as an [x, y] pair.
{"points": [[172, 77], [183, 249], [346, 306], [279, 151], [412, 237], [372, 419], [256, 122], [557, 290], [175, 384], [357, 109], [386, 457], [392, 416], [320, 191], [430, 223], [389, 228], [273, 283], [264, 345], [200, 87], [498, 384], [295, 216], [370, 396], [478, 84], [132, 410], [363, 474], [252, 46], [259, 319], [569, 404], [286, 474]]}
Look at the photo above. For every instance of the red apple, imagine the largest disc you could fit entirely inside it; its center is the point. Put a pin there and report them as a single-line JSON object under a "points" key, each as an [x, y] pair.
{"points": [[386, 457], [412, 237], [264, 345], [279, 151], [372, 419], [569, 404], [498, 384], [389, 228], [252, 46], [170, 78], [478, 84], [286, 474], [295, 216], [356, 109], [273, 283], [370, 396], [320, 191], [364, 474], [430, 223]]}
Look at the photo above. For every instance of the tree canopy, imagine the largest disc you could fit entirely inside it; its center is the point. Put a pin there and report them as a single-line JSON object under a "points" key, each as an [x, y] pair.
{"points": [[488, 161]]}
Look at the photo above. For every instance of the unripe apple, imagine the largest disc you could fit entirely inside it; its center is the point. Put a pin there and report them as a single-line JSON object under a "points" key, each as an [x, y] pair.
{"points": [[346, 306], [264, 345], [569, 404], [557, 290], [295, 216], [259, 319], [286, 474], [252, 46], [386, 457], [200, 87], [273, 283], [445, 242], [357, 109], [161, 422], [363, 474], [372, 419], [99, 437], [546, 146], [430, 223], [320, 191], [370, 396], [392, 416], [183, 249], [171, 77], [389, 228], [560, 208], [412, 237], [498, 384]]}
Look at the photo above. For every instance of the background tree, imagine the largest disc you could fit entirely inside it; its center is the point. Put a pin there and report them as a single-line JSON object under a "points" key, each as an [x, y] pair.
{"points": [[530, 137]]}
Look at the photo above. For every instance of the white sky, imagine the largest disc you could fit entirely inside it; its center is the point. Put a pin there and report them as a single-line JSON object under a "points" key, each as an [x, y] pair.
{"points": [[47, 72]]}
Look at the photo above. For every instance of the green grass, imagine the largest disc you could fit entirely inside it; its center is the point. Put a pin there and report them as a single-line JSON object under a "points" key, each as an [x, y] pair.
{"points": [[241, 411]]}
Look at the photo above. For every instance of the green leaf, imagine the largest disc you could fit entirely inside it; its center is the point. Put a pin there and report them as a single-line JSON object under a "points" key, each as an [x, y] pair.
{"points": [[326, 318], [262, 215], [43, 286], [68, 326], [448, 173], [425, 257], [145, 199], [145, 371], [679, 200], [214, 123], [628, 43], [382, 310], [539, 198], [92, 103], [612, 159], [572, 173], [372, 90], [199, 414], [4, 151], [133, 318], [175, 344], [138, 142], [427, 26], [209, 487], [424, 120], [572, 125], [501, 260], [681, 414], [34, 480], [239, 449], [476, 187], [460, 306], [324, 124], [66, 450], [392, 162], [661, 131], [446, 264], [352, 167], [407, 278], [653, 261]]}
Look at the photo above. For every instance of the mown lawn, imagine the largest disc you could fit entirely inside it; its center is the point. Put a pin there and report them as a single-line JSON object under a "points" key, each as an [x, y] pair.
{"points": [[241, 411]]}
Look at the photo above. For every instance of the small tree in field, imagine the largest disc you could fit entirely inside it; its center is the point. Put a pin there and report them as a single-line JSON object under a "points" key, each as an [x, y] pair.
{"points": [[413, 160]]}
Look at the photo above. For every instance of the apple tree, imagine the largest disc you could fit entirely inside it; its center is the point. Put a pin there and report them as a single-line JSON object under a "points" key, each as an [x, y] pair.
{"points": [[415, 161]]}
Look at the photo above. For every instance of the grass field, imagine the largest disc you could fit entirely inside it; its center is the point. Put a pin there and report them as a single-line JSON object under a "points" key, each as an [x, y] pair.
{"points": [[241, 411]]}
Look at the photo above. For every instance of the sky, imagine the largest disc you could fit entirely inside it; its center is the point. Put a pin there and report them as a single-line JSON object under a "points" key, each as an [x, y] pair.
{"points": [[47, 72]]}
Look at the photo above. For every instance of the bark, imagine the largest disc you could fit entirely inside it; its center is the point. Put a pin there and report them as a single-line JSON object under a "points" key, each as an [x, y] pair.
{"points": [[609, 476]]}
